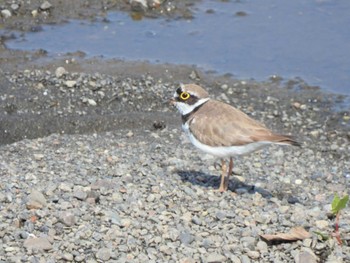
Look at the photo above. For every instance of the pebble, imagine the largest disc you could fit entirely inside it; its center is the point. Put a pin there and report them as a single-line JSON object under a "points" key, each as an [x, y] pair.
{"points": [[68, 218], [315, 133], [186, 238], [187, 260], [297, 105], [104, 254], [129, 134], [245, 259], [5, 13], [65, 187], [68, 257], [34, 13], [298, 181], [151, 198], [91, 102], [248, 242], [14, 6], [60, 71], [193, 75], [220, 215], [81, 195], [262, 246], [38, 156], [138, 4], [70, 83], [334, 147], [36, 200], [235, 259], [253, 254], [305, 256], [213, 257], [196, 220], [79, 258], [307, 242], [39, 243], [322, 224], [45, 6]]}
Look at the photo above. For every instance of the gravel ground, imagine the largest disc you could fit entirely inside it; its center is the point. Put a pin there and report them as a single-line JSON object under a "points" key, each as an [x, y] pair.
{"points": [[144, 194]]}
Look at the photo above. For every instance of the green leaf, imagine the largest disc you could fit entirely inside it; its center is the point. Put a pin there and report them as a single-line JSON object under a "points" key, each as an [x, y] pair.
{"points": [[335, 203], [342, 203], [339, 203], [322, 235]]}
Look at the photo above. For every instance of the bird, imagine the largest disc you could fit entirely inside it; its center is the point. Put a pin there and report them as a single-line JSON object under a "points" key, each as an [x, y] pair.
{"points": [[220, 129]]}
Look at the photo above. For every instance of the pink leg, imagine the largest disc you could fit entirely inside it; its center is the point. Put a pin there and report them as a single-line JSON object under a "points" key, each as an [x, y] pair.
{"points": [[229, 172], [223, 176]]}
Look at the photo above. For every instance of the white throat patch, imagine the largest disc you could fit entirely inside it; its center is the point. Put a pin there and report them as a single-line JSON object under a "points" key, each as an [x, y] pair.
{"points": [[184, 108]]}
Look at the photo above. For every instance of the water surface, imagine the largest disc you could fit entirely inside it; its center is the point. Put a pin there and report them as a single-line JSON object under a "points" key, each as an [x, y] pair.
{"points": [[248, 39]]}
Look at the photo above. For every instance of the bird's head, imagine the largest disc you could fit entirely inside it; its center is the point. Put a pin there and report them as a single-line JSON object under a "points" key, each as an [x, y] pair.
{"points": [[188, 97]]}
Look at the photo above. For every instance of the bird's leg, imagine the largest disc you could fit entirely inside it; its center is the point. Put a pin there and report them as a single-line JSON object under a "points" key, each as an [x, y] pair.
{"points": [[229, 172], [223, 176]]}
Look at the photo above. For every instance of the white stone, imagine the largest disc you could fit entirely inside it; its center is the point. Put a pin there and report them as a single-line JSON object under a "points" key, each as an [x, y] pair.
{"points": [[321, 224], [60, 71], [70, 83], [91, 102], [6, 13], [46, 5], [298, 181], [35, 13]]}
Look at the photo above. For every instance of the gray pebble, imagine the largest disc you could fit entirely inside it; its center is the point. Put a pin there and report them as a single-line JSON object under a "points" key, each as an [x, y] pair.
{"points": [[220, 215], [14, 7], [248, 242], [151, 198], [235, 259], [91, 102], [79, 258], [262, 246], [186, 238], [305, 256], [196, 220], [45, 6], [80, 195], [70, 83], [68, 218], [36, 199], [67, 257], [39, 243], [245, 259], [60, 71], [253, 254], [104, 254], [214, 257]]}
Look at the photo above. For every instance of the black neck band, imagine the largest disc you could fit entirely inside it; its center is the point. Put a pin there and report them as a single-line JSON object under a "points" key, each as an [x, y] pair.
{"points": [[185, 117]]}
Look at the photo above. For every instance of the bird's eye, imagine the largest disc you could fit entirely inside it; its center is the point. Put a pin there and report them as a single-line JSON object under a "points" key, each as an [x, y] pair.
{"points": [[184, 95]]}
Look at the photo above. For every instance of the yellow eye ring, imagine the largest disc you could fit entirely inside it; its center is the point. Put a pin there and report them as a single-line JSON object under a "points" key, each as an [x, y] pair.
{"points": [[184, 95]]}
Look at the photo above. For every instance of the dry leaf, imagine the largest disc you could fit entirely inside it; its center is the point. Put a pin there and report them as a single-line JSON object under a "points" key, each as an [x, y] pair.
{"points": [[296, 233]]}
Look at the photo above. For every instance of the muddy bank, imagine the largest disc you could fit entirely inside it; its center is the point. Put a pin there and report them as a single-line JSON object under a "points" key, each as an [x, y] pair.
{"points": [[46, 96], [30, 15]]}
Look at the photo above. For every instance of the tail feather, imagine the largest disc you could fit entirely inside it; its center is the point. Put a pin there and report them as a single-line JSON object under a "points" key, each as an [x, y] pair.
{"points": [[287, 139]]}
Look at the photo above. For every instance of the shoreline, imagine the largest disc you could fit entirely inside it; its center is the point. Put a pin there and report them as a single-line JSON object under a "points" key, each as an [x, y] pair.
{"points": [[95, 167]]}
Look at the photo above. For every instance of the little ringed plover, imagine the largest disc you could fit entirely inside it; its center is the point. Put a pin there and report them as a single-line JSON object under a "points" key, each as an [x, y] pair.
{"points": [[219, 129]]}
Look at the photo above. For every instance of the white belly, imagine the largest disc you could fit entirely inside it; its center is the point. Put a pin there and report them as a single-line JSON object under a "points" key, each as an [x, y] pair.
{"points": [[223, 151]]}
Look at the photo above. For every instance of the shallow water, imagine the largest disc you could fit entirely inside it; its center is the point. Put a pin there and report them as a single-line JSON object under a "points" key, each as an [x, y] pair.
{"points": [[248, 39]]}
